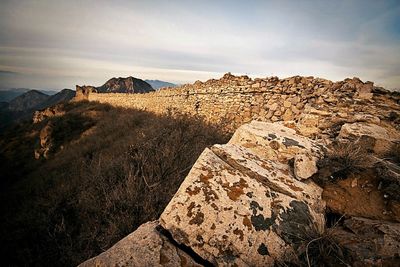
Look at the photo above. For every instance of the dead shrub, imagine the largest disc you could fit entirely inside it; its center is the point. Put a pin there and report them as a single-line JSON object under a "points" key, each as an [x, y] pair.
{"points": [[101, 186], [316, 247], [389, 173], [341, 160], [320, 249], [393, 154]]}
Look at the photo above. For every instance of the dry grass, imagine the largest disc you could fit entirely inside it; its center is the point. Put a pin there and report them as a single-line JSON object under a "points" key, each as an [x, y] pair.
{"points": [[315, 246], [100, 187], [343, 159], [389, 173], [393, 155], [320, 249]]}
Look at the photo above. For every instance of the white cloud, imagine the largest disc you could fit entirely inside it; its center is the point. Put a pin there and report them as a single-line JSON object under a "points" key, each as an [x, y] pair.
{"points": [[54, 41]]}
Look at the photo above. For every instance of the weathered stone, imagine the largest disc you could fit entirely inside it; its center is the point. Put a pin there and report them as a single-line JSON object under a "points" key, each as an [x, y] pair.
{"points": [[213, 100], [235, 208], [287, 104], [305, 166], [364, 91], [369, 242], [308, 124], [83, 92], [236, 196], [314, 111], [278, 113], [53, 111], [273, 107], [269, 114], [381, 138], [330, 99], [294, 100], [366, 118], [45, 142], [288, 115], [144, 247], [274, 141], [359, 195]]}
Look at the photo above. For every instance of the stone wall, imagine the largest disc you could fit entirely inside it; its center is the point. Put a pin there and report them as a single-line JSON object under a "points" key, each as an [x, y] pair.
{"points": [[234, 100], [243, 203]]}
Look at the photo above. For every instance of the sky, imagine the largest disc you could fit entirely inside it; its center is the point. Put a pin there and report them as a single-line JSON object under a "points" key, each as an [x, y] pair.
{"points": [[51, 44]]}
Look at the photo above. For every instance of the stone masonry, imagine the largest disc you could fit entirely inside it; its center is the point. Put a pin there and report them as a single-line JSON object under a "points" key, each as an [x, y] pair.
{"points": [[234, 100]]}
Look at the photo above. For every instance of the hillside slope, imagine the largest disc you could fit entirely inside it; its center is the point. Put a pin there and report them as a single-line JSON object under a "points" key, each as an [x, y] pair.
{"points": [[22, 107], [27, 101], [63, 96], [128, 160], [9, 94]]}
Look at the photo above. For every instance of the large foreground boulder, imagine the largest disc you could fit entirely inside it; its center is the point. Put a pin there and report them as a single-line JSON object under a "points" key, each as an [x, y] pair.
{"points": [[375, 137], [144, 247], [241, 204]]}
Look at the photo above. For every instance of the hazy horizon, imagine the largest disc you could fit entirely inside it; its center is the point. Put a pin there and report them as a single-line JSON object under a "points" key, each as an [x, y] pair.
{"points": [[58, 44]]}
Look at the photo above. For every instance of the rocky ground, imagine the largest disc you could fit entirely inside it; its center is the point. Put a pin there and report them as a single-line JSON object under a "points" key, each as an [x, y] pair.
{"points": [[272, 196], [317, 185]]}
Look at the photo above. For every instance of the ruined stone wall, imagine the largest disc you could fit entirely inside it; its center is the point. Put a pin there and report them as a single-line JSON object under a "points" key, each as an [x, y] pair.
{"points": [[234, 100]]}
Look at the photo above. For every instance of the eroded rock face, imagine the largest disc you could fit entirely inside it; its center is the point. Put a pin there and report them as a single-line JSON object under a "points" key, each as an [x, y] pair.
{"points": [[305, 166], [250, 203], [276, 142], [45, 143], [236, 207], [359, 196], [53, 111], [370, 242], [379, 138], [364, 91], [82, 92], [144, 247]]}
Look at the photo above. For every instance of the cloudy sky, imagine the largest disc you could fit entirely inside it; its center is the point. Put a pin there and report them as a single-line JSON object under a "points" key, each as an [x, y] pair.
{"points": [[58, 44]]}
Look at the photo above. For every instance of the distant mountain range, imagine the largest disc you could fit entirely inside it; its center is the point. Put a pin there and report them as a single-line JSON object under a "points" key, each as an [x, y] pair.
{"points": [[27, 101], [7, 95], [23, 106], [157, 84], [62, 96], [19, 103]]}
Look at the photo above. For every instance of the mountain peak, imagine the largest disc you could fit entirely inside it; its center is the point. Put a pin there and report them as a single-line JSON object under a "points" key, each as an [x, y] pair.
{"points": [[125, 85]]}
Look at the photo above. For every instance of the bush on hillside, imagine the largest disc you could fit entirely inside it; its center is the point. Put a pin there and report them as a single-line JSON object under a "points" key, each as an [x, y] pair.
{"points": [[341, 160], [102, 185]]}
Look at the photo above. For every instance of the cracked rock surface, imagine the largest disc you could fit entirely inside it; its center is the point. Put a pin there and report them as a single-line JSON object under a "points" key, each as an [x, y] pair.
{"points": [[144, 247], [241, 204]]}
